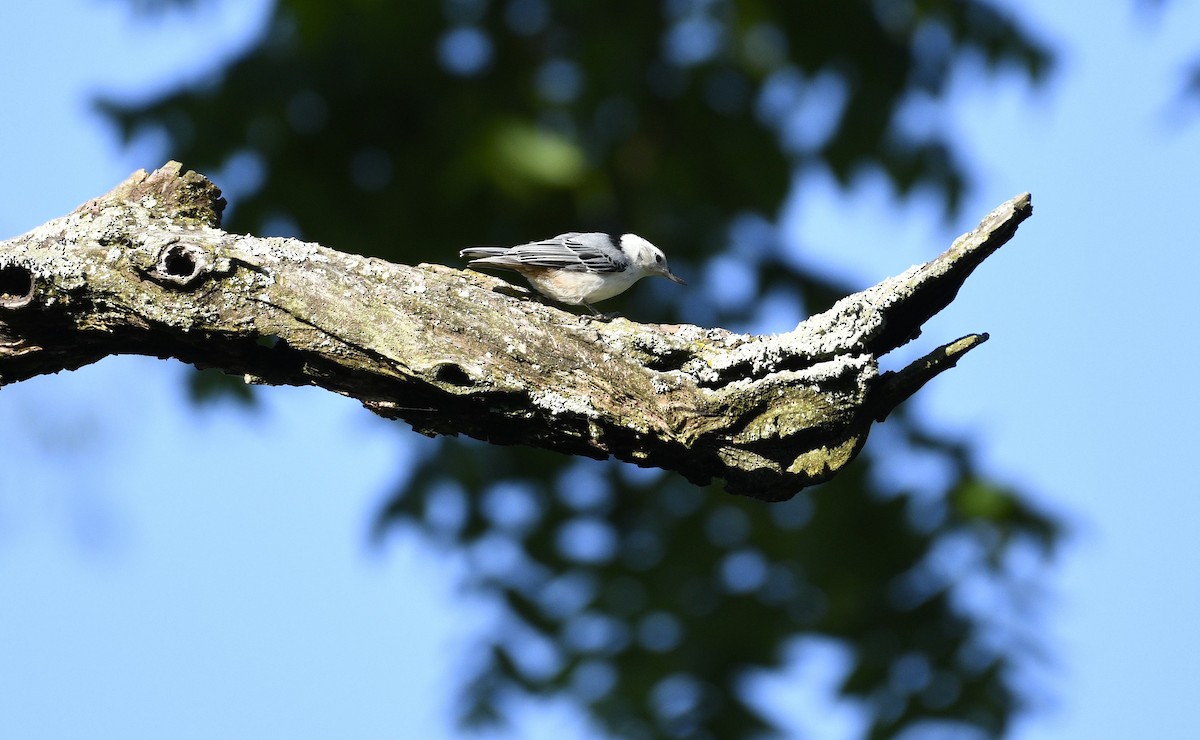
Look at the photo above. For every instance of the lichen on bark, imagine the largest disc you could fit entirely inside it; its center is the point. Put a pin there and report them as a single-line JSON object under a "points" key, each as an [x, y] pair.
{"points": [[146, 269]]}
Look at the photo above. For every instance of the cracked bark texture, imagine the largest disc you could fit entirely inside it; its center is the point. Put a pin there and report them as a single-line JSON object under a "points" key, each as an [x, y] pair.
{"points": [[146, 270]]}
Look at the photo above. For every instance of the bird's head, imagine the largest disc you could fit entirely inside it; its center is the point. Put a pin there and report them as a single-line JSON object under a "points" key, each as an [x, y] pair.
{"points": [[647, 257]]}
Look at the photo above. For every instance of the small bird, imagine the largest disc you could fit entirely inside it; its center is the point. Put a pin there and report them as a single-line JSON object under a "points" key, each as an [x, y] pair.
{"points": [[578, 269]]}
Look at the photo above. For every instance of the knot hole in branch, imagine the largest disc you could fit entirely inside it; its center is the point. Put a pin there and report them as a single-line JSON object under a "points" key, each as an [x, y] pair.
{"points": [[448, 372], [16, 286], [181, 263]]}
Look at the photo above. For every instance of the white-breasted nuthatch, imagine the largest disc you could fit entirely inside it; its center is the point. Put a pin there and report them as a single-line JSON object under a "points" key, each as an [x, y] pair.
{"points": [[576, 268]]}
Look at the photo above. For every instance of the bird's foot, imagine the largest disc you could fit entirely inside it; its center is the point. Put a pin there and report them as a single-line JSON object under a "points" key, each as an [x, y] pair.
{"points": [[596, 315]]}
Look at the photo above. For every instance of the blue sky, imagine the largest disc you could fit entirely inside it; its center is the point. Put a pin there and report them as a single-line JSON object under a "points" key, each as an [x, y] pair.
{"points": [[167, 571]]}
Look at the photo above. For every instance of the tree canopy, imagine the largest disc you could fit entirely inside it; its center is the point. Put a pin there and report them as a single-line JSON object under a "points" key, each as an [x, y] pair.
{"points": [[409, 130]]}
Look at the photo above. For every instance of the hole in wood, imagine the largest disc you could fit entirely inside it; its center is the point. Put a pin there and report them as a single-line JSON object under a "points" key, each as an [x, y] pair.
{"points": [[16, 286], [179, 262], [453, 374]]}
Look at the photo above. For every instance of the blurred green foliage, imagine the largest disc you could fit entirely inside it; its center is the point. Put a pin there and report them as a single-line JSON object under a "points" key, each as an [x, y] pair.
{"points": [[408, 130]]}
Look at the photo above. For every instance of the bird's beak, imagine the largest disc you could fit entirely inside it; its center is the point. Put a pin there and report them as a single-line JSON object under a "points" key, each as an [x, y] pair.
{"points": [[673, 277]]}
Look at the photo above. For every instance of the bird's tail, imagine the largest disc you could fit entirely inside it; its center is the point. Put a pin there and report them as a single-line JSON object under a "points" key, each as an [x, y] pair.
{"points": [[481, 252]]}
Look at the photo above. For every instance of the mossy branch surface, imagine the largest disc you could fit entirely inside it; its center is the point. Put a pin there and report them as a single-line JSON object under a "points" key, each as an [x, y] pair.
{"points": [[146, 270]]}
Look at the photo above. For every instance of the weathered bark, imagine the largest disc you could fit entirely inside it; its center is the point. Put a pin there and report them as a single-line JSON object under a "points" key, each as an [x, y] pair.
{"points": [[146, 270]]}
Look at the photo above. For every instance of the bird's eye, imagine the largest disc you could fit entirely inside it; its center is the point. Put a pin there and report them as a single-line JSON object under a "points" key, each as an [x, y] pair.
{"points": [[658, 258]]}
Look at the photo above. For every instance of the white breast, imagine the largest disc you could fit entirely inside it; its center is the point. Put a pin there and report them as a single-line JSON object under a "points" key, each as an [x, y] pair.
{"points": [[582, 287]]}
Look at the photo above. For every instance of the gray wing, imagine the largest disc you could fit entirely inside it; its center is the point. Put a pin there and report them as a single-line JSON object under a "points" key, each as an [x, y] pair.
{"points": [[591, 252]]}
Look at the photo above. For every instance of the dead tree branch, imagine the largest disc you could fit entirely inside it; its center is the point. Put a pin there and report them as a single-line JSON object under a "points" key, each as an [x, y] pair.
{"points": [[146, 270]]}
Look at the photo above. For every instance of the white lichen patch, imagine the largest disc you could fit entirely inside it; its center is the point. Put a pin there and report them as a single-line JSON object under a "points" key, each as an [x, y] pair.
{"points": [[515, 346], [558, 404]]}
